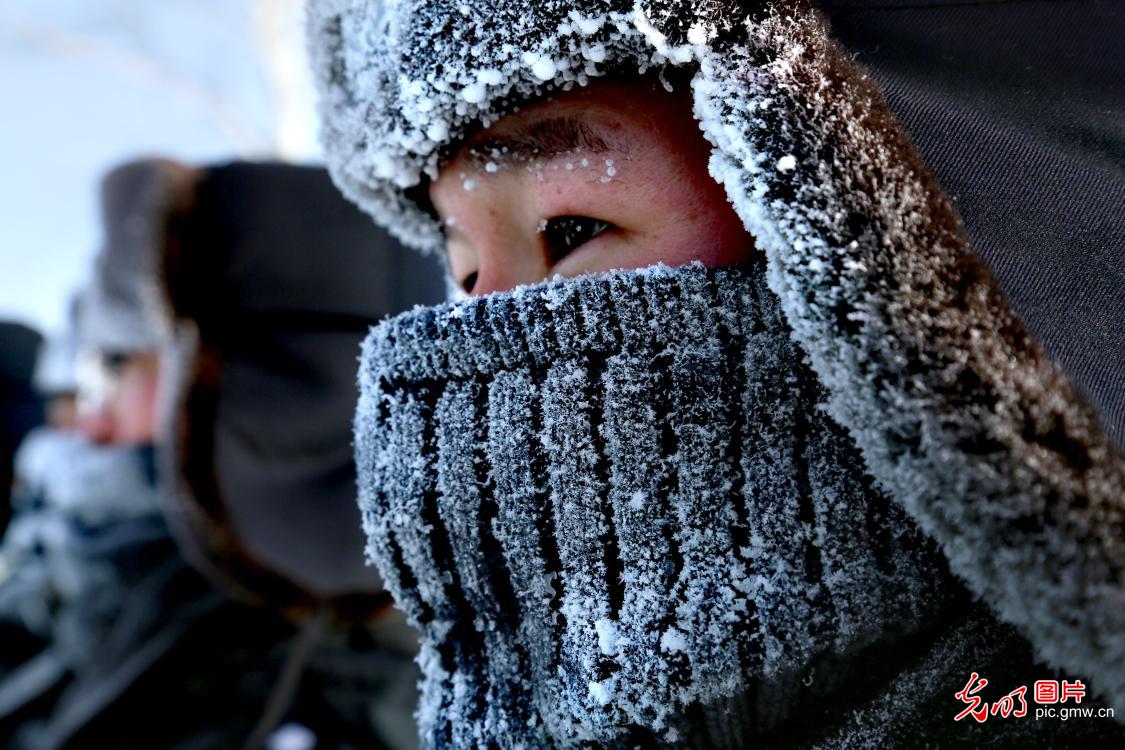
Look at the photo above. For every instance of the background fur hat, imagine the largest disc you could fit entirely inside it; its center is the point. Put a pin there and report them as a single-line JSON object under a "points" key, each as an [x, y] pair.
{"points": [[272, 279], [122, 307]]}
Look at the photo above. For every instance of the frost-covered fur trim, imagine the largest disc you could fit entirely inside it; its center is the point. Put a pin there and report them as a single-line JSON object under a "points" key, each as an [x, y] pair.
{"points": [[958, 412], [623, 487]]}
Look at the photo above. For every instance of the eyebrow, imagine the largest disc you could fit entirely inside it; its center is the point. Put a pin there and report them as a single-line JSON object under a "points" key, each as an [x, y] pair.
{"points": [[542, 140]]}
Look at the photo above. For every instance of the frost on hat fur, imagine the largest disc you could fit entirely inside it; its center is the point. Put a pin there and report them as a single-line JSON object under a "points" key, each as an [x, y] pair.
{"points": [[123, 308], [957, 410]]}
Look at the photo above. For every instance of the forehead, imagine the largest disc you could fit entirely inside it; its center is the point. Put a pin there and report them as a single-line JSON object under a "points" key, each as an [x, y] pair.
{"points": [[603, 117]]}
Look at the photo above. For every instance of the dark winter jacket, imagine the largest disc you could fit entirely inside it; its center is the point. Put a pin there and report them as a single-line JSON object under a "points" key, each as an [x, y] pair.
{"points": [[22, 409], [961, 417]]}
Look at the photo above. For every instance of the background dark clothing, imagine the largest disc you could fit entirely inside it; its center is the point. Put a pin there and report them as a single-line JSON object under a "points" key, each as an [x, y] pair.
{"points": [[21, 410], [1019, 110]]}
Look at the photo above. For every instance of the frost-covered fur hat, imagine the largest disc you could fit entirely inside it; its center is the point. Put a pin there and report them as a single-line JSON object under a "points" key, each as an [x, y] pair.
{"points": [[958, 412], [122, 307]]}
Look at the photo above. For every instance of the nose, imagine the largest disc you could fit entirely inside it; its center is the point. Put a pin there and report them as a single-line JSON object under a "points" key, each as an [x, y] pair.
{"points": [[96, 425], [504, 266]]}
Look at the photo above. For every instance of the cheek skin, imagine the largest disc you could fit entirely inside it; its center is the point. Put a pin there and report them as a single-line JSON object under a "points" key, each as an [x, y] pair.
{"points": [[706, 229], [134, 406], [700, 224], [493, 232], [668, 213]]}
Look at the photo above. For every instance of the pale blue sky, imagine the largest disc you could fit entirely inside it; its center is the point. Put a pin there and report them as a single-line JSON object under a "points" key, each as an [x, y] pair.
{"points": [[89, 83]]}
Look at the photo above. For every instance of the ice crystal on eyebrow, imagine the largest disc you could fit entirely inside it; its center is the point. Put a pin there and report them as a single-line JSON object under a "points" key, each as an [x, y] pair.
{"points": [[442, 71], [543, 139]]}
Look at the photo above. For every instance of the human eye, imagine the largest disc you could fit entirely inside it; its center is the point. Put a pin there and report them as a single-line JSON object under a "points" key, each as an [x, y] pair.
{"points": [[564, 234], [114, 362]]}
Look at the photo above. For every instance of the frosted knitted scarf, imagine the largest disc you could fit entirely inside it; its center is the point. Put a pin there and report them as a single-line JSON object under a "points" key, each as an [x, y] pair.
{"points": [[615, 510], [84, 506], [92, 484]]}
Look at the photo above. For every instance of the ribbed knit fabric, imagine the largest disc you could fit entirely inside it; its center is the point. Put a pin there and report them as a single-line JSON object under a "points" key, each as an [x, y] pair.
{"points": [[959, 412], [607, 499]]}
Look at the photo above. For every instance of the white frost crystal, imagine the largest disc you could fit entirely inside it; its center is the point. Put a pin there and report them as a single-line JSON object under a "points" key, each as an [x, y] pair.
{"points": [[474, 93], [544, 68], [602, 692], [673, 640], [607, 636]]}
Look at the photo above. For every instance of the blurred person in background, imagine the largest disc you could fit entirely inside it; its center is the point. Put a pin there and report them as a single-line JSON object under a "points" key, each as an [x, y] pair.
{"points": [[217, 340], [21, 410], [88, 528], [68, 485], [56, 377], [52, 469]]}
